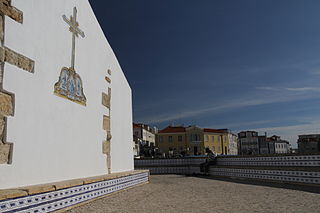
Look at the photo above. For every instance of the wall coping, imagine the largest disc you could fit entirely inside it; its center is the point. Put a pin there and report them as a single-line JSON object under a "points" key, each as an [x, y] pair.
{"points": [[234, 156]]}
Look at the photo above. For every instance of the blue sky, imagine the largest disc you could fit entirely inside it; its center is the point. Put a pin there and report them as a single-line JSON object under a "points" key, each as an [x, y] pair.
{"points": [[242, 65]]}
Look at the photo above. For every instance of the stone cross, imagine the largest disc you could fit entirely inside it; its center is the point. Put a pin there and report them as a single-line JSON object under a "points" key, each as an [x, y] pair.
{"points": [[74, 29]]}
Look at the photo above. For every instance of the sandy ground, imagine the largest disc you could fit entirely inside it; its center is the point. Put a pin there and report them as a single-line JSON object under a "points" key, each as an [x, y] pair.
{"points": [[174, 193]]}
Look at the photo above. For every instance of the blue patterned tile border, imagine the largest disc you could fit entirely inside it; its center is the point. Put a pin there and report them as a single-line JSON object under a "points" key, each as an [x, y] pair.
{"points": [[304, 160], [169, 162], [55, 200], [174, 170], [277, 175]]}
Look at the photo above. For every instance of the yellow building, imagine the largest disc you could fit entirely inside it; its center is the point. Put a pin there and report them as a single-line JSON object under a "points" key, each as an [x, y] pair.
{"points": [[193, 140]]}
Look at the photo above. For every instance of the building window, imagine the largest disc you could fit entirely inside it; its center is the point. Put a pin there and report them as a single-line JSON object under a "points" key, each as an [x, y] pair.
{"points": [[197, 136], [194, 137], [160, 138], [179, 138], [218, 148], [170, 138], [206, 137], [212, 137]]}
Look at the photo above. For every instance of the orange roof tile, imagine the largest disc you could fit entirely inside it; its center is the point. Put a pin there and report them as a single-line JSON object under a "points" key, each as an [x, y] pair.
{"points": [[173, 129], [214, 130]]}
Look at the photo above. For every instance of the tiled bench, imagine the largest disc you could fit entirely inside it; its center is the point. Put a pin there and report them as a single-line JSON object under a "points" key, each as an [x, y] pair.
{"points": [[65, 194]]}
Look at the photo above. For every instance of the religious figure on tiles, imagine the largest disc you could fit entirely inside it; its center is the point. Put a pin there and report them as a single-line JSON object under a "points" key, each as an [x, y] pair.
{"points": [[70, 84]]}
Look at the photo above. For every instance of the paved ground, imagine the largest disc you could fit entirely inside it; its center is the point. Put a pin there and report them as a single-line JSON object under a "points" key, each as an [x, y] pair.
{"points": [[174, 193]]}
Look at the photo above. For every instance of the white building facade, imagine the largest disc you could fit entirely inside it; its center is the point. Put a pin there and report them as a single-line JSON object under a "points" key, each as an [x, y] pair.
{"points": [[233, 144], [66, 124], [248, 143], [145, 134], [281, 147]]}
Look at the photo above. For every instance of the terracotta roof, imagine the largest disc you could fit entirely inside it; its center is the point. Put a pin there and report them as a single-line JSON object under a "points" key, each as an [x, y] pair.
{"points": [[214, 130], [173, 129], [136, 125]]}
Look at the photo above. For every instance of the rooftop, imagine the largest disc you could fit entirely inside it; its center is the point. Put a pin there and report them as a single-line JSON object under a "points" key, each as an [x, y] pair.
{"points": [[177, 129], [173, 129]]}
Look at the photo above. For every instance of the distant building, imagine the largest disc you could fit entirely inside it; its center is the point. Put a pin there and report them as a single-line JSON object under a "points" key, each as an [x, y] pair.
{"points": [[233, 144], [263, 144], [309, 143], [143, 137], [280, 146], [248, 142], [193, 140], [251, 143]]}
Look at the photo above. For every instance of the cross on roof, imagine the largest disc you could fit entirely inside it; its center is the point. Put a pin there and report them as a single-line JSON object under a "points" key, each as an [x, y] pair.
{"points": [[75, 30]]}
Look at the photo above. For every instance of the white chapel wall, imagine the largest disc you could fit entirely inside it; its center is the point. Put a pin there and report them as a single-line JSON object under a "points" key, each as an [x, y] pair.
{"points": [[56, 139]]}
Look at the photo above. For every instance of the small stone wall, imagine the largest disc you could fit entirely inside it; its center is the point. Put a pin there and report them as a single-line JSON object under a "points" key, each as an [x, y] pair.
{"points": [[170, 166], [61, 195], [280, 168], [299, 169]]}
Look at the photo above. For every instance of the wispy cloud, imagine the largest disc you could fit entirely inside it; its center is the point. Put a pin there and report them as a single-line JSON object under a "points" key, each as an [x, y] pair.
{"points": [[229, 104], [291, 132], [292, 89], [304, 89], [315, 72], [267, 88], [245, 124]]}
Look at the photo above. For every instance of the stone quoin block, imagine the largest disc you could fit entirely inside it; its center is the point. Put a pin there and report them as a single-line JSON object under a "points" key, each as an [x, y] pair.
{"points": [[106, 147], [17, 59], [109, 163], [107, 79], [2, 127], [106, 123], [1, 28], [5, 153], [6, 104], [12, 12], [106, 98], [2, 54]]}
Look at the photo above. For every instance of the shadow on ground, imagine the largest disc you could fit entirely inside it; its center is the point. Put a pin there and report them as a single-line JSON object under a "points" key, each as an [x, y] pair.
{"points": [[292, 186]]}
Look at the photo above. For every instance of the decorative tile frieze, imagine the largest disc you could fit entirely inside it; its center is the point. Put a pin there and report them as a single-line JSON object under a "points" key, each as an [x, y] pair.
{"points": [[276, 175], [70, 86], [295, 160], [273, 158], [59, 199]]}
